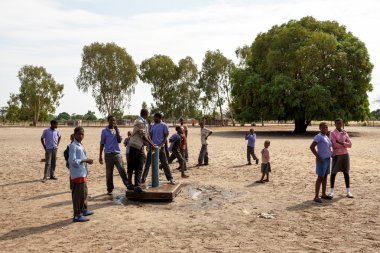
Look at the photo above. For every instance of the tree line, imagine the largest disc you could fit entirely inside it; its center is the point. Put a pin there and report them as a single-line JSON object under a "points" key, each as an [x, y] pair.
{"points": [[300, 71]]}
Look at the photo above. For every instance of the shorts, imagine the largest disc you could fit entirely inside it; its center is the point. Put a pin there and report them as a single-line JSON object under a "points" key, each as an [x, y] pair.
{"points": [[323, 169], [265, 168], [341, 163]]}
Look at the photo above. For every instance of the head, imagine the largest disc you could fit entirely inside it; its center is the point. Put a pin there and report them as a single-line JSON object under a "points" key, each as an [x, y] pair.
{"points": [[79, 133], [181, 121], [323, 127], [266, 143], [129, 133], [251, 131], [178, 129], [144, 113], [202, 124], [157, 117], [72, 137], [53, 124], [111, 120], [339, 124]]}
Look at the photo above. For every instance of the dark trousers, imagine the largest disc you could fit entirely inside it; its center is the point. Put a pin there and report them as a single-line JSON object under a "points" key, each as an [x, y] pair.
{"points": [[251, 152], [185, 153], [203, 155], [50, 161], [136, 158], [164, 163], [148, 162], [112, 160], [79, 196], [179, 154]]}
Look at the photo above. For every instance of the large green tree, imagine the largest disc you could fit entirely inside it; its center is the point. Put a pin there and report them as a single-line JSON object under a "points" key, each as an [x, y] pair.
{"points": [[63, 116], [110, 72], [304, 70], [39, 92], [215, 83]]}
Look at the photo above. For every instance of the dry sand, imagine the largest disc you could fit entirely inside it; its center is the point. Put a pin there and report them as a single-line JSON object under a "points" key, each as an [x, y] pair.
{"points": [[217, 211]]}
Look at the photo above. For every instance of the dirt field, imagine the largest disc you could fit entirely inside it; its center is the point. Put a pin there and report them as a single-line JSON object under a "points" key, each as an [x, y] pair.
{"points": [[218, 210]]}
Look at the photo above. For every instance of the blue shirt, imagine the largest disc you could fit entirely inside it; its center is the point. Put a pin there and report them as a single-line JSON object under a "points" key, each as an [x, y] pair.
{"points": [[77, 153], [109, 140], [51, 138], [158, 132], [251, 140], [323, 145]]}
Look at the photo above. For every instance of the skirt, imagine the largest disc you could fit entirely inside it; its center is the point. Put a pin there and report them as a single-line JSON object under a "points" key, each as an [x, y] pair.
{"points": [[341, 163], [265, 168]]}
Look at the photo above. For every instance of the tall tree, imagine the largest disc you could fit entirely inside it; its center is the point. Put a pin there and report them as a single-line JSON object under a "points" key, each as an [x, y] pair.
{"points": [[187, 92], [3, 113], [39, 92], [304, 70], [162, 73], [110, 72], [90, 116], [63, 116], [215, 81]]}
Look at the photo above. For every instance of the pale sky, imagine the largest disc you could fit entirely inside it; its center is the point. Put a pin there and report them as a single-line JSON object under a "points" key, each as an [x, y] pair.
{"points": [[52, 33]]}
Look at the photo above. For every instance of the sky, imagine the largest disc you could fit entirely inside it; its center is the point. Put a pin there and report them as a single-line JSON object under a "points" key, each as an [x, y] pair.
{"points": [[52, 33]]}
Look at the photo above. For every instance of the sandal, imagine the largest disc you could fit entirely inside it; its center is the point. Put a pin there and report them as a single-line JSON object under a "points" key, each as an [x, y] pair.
{"points": [[317, 200], [327, 197]]}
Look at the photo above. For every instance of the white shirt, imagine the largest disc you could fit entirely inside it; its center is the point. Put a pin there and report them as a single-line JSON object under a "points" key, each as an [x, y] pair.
{"points": [[204, 132]]}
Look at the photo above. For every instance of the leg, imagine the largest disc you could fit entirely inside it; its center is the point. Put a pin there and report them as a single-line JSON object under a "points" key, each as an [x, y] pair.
{"points": [[248, 155], [164, 163], [324, 184], [183, 153], [201, 155], [139, 167], [85, 193], [206, 155], [253, 154], [347, 179], [147, 166], [181, 161], [109, 171], [131, 165], [78, 198], [332, 180], [171, 158], [48, 155], [53, 163], [186, 154], [318, 187], [119, 165]]}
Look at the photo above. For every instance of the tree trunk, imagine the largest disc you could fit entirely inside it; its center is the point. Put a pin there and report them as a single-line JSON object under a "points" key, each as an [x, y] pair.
{"points": [[221, 114], [301, 125]]}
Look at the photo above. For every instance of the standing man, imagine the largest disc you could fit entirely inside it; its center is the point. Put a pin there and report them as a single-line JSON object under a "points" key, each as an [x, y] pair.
{"points": [[50, 141], [136, 157], [184, 144], [203, 154], [159, 133], [109, 142], [341, 160], [251, 138]]}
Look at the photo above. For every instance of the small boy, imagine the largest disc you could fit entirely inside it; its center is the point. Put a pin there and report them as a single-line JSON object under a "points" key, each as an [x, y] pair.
{"points": [[265, 162], [323, 155], [203, 154], [126, 140], [251, 138], [176, 141], [78, 173]]}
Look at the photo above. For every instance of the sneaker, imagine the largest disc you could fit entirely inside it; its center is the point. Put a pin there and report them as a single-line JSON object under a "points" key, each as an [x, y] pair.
{"points": [[130, 187], [88, 213], [330, 194], [317, 200], [80, 218], [249, 164], [54, 178], [44, 180], [172, 182], [184, 175], [109, 193], [257, 161], [138, 189], [349, 195]]}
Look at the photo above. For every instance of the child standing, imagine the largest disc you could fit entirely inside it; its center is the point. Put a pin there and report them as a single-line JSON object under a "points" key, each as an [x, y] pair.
{"points": [[251, 138], [203, 154], [126, 141], [175, 147], [265, 162], [78, 173], [323, 155]]}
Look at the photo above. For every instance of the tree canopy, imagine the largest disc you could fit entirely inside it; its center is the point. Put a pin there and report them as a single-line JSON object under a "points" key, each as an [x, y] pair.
{"points": [[39, 93], [303, 70], [110, 72]]}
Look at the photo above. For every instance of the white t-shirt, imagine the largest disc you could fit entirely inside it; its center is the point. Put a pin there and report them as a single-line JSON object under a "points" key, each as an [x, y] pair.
{"points": [[204, 132]]}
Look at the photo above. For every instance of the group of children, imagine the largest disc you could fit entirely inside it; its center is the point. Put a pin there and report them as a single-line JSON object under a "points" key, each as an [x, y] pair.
{"points": [[325, 146]]}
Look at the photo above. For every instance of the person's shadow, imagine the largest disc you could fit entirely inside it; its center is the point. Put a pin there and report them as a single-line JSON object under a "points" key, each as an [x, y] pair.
{"points": [[22, 232], [309, 204]]}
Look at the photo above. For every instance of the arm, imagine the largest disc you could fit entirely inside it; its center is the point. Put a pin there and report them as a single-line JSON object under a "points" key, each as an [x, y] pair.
{"points": [[118, 136], [348, 143], [101, 153], [209, 133], [43, 143], [165, 139], [59, 140], [246, 136], [314, 151]]}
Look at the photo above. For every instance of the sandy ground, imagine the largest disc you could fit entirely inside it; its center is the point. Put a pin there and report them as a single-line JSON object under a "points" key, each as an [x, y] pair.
{"points": [[217, 211]]}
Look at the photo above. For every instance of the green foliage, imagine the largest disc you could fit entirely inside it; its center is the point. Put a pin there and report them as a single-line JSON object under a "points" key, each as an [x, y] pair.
{"points": [[303, 70], [3, 113], [63, 116], [375, 114], [214, 81], [39, 93], [144, 105], [173, 87], [90, 116], [13, 109], [110, 72]]}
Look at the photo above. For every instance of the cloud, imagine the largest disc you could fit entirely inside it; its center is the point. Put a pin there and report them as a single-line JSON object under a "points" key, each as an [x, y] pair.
{"points": [[47, 33]]}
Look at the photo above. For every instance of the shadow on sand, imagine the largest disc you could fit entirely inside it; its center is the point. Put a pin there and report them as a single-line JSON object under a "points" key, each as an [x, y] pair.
{"points": [[308, 204], [22, 182], [47, 195]]}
